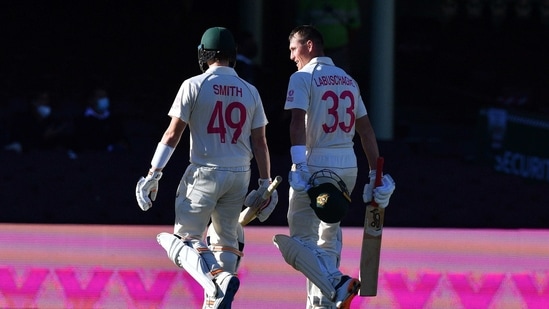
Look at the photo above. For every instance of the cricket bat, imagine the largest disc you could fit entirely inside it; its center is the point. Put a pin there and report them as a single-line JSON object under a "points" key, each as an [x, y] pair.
{"points": [[371, 241], [249, 213]]}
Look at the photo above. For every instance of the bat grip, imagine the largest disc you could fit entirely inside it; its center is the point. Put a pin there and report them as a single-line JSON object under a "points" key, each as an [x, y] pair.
{"points": [[379, 176], [249, 214], [272, 187]]}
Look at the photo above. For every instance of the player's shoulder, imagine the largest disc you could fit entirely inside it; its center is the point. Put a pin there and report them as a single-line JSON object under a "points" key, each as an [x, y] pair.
{"points": [[245, 83], [195, 80], [301, 76]]}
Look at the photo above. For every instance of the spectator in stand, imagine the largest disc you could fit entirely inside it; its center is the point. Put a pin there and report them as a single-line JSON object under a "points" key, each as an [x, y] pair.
{"points": [[97, 129], [37, 128], [246, 52]]}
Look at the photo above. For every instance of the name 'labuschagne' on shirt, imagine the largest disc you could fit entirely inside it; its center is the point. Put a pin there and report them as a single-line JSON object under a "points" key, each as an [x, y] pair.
{"points": [[327, 80], [227, 90]]}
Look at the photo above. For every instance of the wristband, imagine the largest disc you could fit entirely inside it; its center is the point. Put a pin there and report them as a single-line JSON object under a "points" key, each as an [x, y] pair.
{"points": [[298, 153], [161, 156], [155, 174], [264, 182]]}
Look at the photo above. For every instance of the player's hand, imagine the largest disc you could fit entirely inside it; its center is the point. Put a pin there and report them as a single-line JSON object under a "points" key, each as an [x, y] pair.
{"points": [[255, 199], [299, 177], [383, 193], [380, 194], [267, 210], [368, 192], [147, 186]]}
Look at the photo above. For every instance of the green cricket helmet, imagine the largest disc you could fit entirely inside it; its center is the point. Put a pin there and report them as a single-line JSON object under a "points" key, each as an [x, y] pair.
{"points": [[216, 42], [329, 196]]}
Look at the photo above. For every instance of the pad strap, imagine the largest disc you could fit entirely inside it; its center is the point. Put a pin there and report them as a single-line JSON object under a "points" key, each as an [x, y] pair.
{"points": [[227, 249]]}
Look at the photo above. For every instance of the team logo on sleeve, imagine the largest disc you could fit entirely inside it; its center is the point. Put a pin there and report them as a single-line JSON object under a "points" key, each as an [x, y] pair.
{"points": [[290, 97]]}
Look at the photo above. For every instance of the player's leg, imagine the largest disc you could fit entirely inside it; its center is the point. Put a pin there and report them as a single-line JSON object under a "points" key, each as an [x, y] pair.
{"points": [[195, 201], [302, 221], [229, 258], [303, 225], [323, 277], [310, 261], [225, 234], [345, 286], [223, 254], [317, 300], [224, 219], [193, 256], [343, 163], [330, 239], [300, 248]]}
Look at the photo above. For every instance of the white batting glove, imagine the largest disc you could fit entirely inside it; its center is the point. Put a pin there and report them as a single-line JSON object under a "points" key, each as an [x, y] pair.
{"points": [[147, 186], [299, 177], [383, 193], [368, 192], [266, 211], [255, 199], [299, 172], [380, 194]]}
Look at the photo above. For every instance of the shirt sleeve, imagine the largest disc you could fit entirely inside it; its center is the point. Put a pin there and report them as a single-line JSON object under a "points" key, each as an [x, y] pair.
{"points": [[182, 104], [361, 108], [259, 118], [298, 92]]}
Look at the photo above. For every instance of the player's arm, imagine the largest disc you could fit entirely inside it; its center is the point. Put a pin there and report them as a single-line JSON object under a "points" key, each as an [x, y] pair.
{"points": [[170, 138], [369, 145], [364, 128], [261, 152], [147, 187], [258, 202], [297, 127], [299, 172]]}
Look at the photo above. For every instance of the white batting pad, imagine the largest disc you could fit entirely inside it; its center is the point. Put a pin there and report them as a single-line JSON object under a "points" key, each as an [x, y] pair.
{"points": [[303, 260], [189, 259]]}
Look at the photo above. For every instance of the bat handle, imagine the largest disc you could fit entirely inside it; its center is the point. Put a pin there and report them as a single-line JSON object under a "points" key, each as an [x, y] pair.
{"points": [[249, 214], [272, 187], [379, 175]]}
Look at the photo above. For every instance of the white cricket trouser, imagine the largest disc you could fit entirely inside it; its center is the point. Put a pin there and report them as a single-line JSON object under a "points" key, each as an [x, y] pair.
{"points": [[214, 193], [304, 223]]}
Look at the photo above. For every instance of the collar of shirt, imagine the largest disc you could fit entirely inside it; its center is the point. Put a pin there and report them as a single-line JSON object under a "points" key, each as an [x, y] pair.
{"points": [[221, 70], [321, 60]]}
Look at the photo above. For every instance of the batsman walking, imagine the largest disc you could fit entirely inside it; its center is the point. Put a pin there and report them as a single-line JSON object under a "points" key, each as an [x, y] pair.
{"points": [[227, 122], [326, 110]]}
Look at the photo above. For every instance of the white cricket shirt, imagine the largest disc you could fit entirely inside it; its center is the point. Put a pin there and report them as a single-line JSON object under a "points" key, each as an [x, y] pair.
{"points": [[332, 101], [220, 109]]}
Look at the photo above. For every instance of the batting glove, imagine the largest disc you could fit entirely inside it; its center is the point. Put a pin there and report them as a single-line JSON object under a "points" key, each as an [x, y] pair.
{"points": [[383, 193], [255, 198], [147, 186], [380, 194], [266, 211], [368, 192], [299, 177]]}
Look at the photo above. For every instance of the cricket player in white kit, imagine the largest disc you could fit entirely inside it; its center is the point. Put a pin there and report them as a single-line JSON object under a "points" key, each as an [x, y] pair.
{"points": [[326, 108], [227, 122]]}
